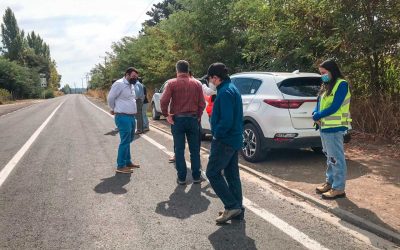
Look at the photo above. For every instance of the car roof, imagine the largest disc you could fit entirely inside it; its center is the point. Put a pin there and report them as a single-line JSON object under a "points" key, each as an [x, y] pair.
{"points": [[279, 74]]}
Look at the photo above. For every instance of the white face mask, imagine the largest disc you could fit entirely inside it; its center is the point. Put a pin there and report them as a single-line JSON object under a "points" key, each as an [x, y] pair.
{"points": [[212, 86]]}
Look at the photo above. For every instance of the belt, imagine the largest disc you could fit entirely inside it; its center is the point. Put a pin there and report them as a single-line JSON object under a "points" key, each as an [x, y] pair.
{"points": [[186, 115], [124, 114]]}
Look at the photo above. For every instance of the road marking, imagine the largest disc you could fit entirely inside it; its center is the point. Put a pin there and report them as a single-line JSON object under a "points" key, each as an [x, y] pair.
{"points": [[259, 211], [282, 225], [5, 172]]}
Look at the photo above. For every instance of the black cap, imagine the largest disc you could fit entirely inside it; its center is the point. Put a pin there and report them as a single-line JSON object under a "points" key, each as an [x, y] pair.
{"points": [[218, 69]]}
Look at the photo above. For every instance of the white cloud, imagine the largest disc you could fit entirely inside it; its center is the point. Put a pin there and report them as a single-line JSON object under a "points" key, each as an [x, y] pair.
{"points": [[79, 32]]}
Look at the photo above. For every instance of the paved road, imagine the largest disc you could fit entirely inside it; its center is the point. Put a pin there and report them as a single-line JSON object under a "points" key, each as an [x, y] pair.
{"points": [[63, 194]]}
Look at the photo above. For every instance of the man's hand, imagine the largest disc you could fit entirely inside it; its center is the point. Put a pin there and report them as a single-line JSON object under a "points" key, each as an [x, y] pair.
{"points": [[170, 119], [112, 112]]}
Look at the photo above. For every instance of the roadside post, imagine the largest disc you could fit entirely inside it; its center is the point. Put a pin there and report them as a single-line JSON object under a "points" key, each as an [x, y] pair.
{"points": [[43, 84]]}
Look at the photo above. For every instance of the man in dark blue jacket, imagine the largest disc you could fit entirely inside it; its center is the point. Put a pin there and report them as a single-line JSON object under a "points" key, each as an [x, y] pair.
{"points": [[226, 129]]}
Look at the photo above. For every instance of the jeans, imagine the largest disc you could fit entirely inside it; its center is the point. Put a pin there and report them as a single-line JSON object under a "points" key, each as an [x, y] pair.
{"points": [[332, 144], [228, 189], [139, 115], [144, 115], [189, 127], [126, 127]]}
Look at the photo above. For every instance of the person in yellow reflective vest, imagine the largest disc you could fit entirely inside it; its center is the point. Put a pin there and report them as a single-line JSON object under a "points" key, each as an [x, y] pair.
{"points": [[332, 115]]}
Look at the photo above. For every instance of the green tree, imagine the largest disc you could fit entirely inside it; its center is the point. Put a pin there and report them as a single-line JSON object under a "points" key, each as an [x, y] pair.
{"points": [[161, 11], [12, 37]]}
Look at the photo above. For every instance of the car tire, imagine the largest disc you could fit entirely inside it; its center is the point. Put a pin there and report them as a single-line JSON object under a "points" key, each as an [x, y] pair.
{"points": [[317, 150], [154, 113], [252, 150]]}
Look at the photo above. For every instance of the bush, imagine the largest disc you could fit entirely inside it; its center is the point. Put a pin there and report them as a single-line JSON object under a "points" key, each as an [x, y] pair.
{"points": [[48, 93], [379, 115], [5, 96]]}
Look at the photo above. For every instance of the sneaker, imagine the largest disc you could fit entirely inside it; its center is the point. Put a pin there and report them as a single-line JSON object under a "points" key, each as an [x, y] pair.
{"points": [[323, 188], [124, 170], [333, 194], [138, 132], [228, 215], [146, 129], [180, 182], [171, 159], [133, 165], [237, 217]]}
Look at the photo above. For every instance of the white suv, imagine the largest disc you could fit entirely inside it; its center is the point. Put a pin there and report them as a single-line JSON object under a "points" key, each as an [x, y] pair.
{"points": [[277, 110]]}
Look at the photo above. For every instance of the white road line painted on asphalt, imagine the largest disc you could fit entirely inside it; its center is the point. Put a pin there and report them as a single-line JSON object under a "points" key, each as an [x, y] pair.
{"points": [[5, 172], [282, 225], [267, 216]]}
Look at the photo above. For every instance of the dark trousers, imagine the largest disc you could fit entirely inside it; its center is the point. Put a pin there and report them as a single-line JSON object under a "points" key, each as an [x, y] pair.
{"points": [[228, 188], [139, 115], [186, 127]]}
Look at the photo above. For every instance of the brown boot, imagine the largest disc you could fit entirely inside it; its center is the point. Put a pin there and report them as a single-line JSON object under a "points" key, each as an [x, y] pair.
{"points": [[333, 194], [323, 188], [133, 165]]}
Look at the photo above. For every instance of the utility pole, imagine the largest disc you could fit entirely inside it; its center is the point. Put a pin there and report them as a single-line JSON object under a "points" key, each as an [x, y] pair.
{"points": [[82, 86], [74, 87]]}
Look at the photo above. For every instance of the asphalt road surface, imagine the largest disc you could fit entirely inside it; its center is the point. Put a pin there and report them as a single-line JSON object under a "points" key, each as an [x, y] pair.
{"points": [[58, 190]]}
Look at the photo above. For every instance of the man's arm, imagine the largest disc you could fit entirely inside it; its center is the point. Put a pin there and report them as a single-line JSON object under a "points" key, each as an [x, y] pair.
{"points": [[165, 100], [112, 95]]}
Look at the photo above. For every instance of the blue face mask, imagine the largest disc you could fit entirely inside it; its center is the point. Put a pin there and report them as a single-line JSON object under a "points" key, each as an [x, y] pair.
{"points": [[325, 78]]}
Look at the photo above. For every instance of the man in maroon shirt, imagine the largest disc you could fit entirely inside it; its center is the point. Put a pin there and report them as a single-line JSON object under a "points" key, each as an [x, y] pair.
{"points": [[185, 99]]}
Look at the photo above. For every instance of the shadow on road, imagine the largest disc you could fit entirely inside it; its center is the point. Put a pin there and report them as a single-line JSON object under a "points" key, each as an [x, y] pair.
{"points": [[232, 236], [112, 132], [182, 205], [114, 184]]}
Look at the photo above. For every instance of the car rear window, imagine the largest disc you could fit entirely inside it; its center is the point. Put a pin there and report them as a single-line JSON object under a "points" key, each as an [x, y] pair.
{"points": [[302, 86]]}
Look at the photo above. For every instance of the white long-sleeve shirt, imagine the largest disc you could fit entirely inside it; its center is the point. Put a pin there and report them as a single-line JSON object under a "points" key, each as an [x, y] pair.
{"points": [[121, 97]]}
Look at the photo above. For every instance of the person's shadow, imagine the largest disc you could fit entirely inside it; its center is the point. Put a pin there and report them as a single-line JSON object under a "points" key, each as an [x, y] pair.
{"points": [[182, 205], [113, 132], [232, 236], [114, 184]]}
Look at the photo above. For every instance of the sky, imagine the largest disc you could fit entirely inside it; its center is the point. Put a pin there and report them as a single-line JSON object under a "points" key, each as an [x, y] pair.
{"points": [[79, 32]]}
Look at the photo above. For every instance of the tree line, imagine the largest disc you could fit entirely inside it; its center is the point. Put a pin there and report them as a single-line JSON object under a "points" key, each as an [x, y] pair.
{"points": [[24, 60], [264, 35]]}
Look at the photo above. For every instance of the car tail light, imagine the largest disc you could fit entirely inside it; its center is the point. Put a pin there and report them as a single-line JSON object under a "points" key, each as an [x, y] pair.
{"points": [[286, 104]]}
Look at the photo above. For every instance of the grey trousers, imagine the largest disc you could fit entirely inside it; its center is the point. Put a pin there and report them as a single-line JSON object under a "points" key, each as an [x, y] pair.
{"points": [[139, 115]]}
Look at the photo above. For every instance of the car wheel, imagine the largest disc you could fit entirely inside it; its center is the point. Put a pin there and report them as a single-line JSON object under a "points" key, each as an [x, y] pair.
{"points": [[251, 150], [317, 150], [154, 113]]}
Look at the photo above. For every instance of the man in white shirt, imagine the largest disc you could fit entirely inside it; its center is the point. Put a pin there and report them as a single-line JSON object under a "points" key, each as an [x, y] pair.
{"points": [[122, 102]]}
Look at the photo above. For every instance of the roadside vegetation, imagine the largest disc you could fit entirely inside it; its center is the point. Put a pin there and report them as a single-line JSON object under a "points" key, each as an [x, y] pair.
{"points": [[24, 60], [262, 35]]}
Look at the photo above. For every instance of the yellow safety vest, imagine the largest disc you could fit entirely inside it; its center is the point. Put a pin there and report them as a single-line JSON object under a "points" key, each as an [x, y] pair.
{"points": [[342, 117]]}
